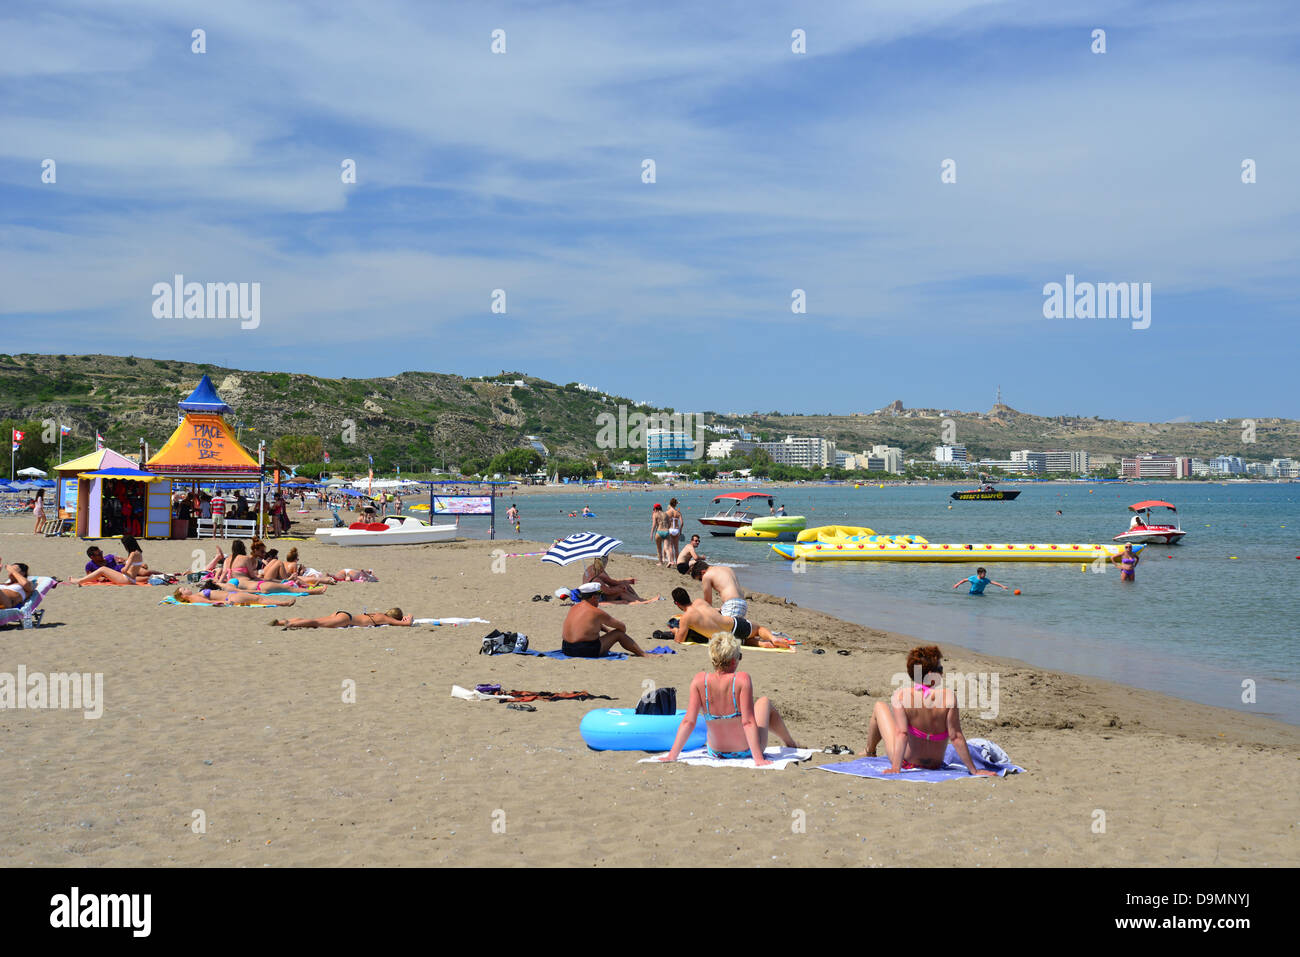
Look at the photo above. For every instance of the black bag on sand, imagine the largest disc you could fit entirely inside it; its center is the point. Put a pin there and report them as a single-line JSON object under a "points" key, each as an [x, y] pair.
{"points": [[504, 643], [658, 701]]}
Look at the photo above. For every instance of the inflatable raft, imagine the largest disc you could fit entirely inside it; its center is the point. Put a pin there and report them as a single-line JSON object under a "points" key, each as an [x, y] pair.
{"points": [[923, 551], [622, 729], [845, 534]]}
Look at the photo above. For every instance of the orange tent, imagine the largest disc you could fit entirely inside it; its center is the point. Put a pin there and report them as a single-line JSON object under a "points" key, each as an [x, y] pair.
{"points": [[203, 447]]}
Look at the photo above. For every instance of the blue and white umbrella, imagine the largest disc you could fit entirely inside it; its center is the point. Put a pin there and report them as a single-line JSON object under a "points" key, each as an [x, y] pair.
{"points": [[580, 547]]}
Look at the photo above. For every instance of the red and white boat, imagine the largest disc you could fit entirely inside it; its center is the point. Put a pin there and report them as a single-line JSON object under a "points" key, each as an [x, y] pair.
{"points": [[738, 514], [1146, 530]]}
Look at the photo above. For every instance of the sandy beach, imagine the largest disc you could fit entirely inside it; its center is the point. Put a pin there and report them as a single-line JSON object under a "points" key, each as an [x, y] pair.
{"points": [[210, 710]]}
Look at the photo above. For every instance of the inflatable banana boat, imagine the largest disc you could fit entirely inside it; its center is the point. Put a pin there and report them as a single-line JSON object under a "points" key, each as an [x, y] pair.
{"points": [[923, 551]]}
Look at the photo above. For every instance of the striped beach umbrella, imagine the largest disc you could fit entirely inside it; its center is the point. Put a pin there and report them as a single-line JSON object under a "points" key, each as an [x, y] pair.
{"points": [[580, 546]]}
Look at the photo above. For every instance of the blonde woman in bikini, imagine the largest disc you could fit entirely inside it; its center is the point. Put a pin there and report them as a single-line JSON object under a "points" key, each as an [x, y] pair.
{"points": [[659, 531], [345, 619], [674, 531]]}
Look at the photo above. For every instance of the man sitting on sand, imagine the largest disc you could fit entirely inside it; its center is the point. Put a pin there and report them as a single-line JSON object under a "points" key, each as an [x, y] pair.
{"points": [[720, 579], [699, 620], [589, 632], [689, 555], [345, 619]]}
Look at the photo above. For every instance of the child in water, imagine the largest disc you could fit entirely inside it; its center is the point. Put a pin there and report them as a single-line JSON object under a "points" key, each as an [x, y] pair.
{"points": [[979, 581]]}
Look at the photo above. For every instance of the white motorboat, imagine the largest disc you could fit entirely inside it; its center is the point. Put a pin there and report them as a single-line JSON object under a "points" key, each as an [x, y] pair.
{"points": [[1146, 530], [394, 530]]}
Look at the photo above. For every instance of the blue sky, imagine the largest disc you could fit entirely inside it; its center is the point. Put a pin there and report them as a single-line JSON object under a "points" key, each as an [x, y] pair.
{"points": [[775, 171]]}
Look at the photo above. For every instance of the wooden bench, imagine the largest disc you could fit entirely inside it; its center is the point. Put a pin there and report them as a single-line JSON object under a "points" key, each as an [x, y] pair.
{"points": [[234, 528]]}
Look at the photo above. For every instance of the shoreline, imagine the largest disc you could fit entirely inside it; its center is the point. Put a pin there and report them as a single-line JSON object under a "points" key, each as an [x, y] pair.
{"points": [[211, 709]]}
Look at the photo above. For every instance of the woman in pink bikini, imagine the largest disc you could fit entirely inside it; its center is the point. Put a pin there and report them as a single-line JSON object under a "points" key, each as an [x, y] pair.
{"points": [[919, 720]]}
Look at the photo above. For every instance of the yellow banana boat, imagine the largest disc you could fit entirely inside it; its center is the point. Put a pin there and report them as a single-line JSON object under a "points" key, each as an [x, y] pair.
{"points": [[923, 551]]}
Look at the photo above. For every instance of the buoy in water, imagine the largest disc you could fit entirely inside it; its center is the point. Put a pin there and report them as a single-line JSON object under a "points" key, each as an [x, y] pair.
{"points": [[1016, 592]]}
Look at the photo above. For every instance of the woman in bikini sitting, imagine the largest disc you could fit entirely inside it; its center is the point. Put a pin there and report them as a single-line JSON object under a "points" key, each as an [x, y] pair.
{"points": [[18, 589], [740, 726], [613, 589], [919, 720], [345, 619], [134, 565], [187, 595]]}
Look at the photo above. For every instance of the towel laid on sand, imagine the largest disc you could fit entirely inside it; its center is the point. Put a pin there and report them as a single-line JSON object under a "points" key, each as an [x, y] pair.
{"points": [[170, 600], [557, 653], [951, 771], [449, 621], [781, 758]]}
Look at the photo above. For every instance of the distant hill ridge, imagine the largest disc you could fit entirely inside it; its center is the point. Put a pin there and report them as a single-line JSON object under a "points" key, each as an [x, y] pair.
{"points": [[424, 419]]}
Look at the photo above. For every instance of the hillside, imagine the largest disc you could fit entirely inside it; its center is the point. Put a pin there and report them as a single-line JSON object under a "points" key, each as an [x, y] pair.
{"points": [[425, 419]]}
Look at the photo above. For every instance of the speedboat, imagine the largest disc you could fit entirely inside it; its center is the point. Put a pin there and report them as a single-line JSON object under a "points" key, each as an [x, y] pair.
{"points": [[985, 493], [394, 530], [1144, 529], [737, 514]]}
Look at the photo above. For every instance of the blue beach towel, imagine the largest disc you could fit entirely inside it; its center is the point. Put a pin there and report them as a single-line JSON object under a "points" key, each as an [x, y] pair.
{"points": [[661, 650], [557, 653], [876, 768]]}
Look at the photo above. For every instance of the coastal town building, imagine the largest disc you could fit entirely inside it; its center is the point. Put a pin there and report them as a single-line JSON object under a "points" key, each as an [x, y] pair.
{"points": [[950, 454], [1228, 465], [801, 451], [725, 448], [1152, 465], [665, 447]]}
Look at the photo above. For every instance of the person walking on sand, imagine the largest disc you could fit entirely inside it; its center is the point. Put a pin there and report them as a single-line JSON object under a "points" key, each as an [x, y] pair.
{"points": [[918, 723], [589, 632], [38, 511], [675, 523], [738, 726]]}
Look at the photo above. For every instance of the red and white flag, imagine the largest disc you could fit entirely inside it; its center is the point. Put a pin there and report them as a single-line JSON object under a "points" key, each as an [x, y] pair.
{"points": [[99, 441], [19, 436]]}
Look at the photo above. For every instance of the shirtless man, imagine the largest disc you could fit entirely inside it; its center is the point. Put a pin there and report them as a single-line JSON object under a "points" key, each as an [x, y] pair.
{"points": [[589, 632], [689, 554], [723, 581], [700, 618]]}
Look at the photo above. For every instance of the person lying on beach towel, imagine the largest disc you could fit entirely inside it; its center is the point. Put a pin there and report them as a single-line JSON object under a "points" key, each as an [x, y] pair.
{"points": [[738, 726], [17, 588], [187, 595], [263, 588], [614, 589], [346, 619], [107, 568], [920, 721], [699, 616], [589, 632]]}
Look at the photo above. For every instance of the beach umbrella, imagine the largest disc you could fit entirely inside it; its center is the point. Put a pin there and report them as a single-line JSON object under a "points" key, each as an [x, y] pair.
{"points": [[580, 546], [32, 471]]}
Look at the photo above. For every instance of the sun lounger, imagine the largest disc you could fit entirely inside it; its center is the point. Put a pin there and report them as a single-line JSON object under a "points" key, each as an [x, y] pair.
{"points": [[28, 609]]}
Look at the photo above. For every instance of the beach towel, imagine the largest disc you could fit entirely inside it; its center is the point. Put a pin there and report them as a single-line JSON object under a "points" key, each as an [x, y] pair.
{"points": [[781, 758], [661, 650], [170, 600], [14, 616], [469, 695], [876, 768], [557, 653], [554, 696], [449, 621], [986, 755]]}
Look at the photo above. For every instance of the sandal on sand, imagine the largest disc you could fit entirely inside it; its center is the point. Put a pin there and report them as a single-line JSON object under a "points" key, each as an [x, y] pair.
{"points": [[844, 651], [521, 707], [537, 598], [837, 749], [819, 651]]}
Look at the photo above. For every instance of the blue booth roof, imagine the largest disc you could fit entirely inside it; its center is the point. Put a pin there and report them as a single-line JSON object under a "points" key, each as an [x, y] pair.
{"points": [[204, 398]]}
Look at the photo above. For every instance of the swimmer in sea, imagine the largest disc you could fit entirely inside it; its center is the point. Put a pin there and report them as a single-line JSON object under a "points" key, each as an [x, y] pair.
{"points": [[979, 581]]}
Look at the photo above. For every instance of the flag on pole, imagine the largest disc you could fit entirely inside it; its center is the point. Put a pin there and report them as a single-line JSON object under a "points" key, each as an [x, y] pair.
{"points": [[327, 458], [17, 446], [19, 436], [99, 441], [65, 429]]}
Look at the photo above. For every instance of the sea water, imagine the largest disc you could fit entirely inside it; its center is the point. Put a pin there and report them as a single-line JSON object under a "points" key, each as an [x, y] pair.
{"points": [[1208, 619]]}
